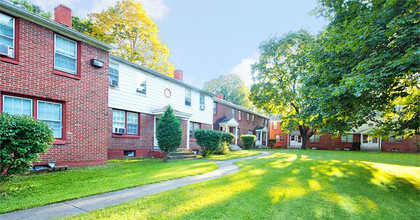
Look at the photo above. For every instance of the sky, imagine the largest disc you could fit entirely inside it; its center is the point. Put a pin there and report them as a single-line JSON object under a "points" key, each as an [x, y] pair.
{"points": [[208, 38]]}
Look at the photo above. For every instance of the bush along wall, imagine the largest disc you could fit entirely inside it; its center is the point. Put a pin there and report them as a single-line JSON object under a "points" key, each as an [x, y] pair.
{"points": [[208, 140], [226, 140], [248, 141], [22, 139]]}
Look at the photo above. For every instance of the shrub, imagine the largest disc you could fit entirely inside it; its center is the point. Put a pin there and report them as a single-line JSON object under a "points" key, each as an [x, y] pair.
{"points": [[248, 141], [22, 139], [168, 133], [227, 137], [208, 140], [223, 148], [271, 142], [356, 145]]}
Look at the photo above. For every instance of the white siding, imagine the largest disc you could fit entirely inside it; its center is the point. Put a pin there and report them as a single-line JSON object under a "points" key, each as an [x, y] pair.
{"points": [[125, 97]]}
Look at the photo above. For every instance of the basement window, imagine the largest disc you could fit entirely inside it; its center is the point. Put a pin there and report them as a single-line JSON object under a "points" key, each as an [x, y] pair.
{"points": [[129, 153]]}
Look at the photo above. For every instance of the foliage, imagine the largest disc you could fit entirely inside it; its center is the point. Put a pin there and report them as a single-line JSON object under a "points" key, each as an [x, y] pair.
{"points": [[225, 141], [208, 140], [29, 191], [134, 34], [168, 132], [278, 75], [356, 145], [366, 64], [231, 87], [248, 141], [83, 25], [33, 8], [22, 139]]}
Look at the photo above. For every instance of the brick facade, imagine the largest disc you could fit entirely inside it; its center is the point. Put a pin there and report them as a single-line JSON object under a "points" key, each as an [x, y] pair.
{"points": [[245, 126], [86, 119], [280, 143]]}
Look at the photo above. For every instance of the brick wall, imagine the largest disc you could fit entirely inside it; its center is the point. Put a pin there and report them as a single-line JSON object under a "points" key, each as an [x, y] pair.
{"points": [[244, 125], [86, 120], [278, 131]]}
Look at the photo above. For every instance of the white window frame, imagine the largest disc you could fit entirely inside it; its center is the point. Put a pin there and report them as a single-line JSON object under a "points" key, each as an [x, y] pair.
{"points": [[274, 125], [188, 98], [137, 122], [75, 59], [118, 70], [32, 102], [233, 113], [214, 108], [345, 138], [253, 118], [202, 101], [247, 116], [14, 35], [61, 111], [138, 91], [125, 120]]}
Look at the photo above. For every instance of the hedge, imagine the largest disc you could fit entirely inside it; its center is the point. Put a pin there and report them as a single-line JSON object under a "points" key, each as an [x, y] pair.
{"points": [[248, 141]]}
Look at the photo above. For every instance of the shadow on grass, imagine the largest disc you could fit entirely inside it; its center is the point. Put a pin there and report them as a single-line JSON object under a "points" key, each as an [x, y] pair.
{"points": [[284, 186]]}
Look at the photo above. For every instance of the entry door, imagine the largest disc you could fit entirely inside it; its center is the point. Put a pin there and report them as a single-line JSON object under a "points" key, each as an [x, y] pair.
{"points": [[370, 142], [258, 142], [295, 140]]}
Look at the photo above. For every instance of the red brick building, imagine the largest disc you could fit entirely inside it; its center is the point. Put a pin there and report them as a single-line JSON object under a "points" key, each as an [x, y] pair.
{"points": [[359, 137], [46, 72], [239, 121]]}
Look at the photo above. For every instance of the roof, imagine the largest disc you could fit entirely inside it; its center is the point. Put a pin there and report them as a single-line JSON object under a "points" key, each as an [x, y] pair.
{"points": [[160, 75], [56, 27], [238, 107]]}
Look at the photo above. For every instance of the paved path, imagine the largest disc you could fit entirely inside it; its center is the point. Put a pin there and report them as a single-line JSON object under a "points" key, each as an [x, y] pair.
{"points": [[100, 201]]}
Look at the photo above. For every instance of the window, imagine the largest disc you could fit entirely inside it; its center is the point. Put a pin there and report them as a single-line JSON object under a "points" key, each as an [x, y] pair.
{"points": [[247, 116], [240, 115], [274, 125], [277, 138], [50, 113], [314, 138], [202, 102], [250, 132], [7, 35], [132, 123], [141, 83], [253, 118], [397, 139], [65, 55], [188, 97], [282, 137], [233, 113], [214, 107], [263, 121], [129, 153], [347, 138], [113, 73], [127, 120], [17, 105], [193, 127]]}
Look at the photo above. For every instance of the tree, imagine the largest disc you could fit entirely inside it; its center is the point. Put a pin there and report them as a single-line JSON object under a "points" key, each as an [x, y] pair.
{"points": [[366, 66], [168, 133], [22, 139], [33, 8], [231, 87], [278, 76], [134, 34]]}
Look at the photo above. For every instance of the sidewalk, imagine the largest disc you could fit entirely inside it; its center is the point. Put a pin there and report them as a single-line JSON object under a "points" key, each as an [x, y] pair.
{"points": [[100, 201]]}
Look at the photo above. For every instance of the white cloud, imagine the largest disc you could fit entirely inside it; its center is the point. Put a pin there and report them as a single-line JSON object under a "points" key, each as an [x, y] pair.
{"points": [[243, 69], [156, 9]]}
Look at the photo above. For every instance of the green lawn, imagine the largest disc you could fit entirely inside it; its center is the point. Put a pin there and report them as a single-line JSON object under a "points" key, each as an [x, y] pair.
{"points": [[292, 184], [36, 190], [235, 155]]}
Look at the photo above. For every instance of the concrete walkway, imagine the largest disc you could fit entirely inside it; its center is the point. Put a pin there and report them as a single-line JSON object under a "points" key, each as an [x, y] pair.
{"points": [[100, 201]]}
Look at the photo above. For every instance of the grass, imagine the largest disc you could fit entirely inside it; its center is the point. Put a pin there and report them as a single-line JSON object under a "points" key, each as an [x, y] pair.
{"points": [[41, 189], [292, 184], [235, 155]]}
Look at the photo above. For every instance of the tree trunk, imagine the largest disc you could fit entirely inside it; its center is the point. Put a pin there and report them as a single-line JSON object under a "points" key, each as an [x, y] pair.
{"points": [[305, 133]]}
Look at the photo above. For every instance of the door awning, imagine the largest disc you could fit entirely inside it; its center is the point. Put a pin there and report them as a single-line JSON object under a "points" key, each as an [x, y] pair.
{"points": [[260, 128], [179, 114], [231, 122]]}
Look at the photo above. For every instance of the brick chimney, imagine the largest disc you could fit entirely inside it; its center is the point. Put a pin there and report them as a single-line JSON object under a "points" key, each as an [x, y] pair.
{"points": [[220, 96], [178, 74], [62, 15]]}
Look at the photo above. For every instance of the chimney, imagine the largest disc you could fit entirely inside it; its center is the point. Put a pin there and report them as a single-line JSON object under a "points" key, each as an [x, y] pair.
{"points": [[178, 75], [62, 15], [220, 96]]}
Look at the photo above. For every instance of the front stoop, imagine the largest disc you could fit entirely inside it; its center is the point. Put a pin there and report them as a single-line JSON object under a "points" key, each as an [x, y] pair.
{"points": [[182, 153]]}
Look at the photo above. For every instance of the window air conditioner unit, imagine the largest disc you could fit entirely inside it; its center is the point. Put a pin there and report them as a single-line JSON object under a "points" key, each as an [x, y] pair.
{"points": [[6, 50], [113, 83], [118, 130]]}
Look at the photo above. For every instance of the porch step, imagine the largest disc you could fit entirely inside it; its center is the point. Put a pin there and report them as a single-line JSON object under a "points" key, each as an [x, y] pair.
{"points": [[234, 148], [182, 153]]}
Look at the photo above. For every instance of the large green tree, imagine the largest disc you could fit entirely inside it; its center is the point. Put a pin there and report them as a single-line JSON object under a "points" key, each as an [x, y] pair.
{"points": [[168, 133], [278, 76], [366, 66], [231, 87]]}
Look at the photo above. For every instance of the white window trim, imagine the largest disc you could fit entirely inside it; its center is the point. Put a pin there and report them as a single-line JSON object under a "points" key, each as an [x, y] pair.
{"points": [[32, 103], [61, 110], [75, 59], [14, 35], [118, 69]]}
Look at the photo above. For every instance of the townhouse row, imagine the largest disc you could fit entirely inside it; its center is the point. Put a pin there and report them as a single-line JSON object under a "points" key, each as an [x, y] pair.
{"points": [[100, 106], [358, 138]]}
